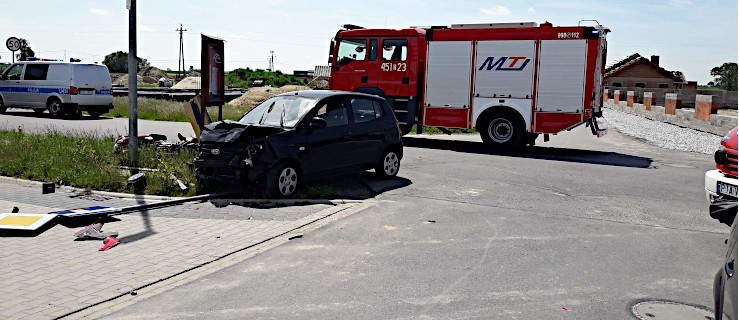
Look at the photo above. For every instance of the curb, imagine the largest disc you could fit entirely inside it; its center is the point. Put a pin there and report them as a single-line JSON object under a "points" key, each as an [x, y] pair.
{"points": [[284, 202], [31, 183]]}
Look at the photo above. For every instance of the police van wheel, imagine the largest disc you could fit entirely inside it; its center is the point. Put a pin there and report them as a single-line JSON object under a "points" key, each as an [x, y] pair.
{"points": [[503, 130], [55, 107]]}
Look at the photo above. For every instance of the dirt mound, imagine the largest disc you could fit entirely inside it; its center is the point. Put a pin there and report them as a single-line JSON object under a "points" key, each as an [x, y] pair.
{"points": [[188, 83], [123, 80], [255, 96]]}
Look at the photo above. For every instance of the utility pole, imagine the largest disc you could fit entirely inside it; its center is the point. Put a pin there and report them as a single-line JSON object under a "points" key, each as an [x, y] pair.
{"points": [[133, 113], [181, 62], [272, 61]]}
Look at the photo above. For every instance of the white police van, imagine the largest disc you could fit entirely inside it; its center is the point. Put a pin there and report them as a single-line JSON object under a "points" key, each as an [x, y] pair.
{"points": [[63, 88]]}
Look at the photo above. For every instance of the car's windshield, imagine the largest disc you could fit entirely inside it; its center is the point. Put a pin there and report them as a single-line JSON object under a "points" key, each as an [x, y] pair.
{"points": [[283, 111]]}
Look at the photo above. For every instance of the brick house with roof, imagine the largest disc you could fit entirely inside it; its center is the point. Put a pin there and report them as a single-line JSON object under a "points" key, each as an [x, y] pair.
{"points": [[635, 71]]}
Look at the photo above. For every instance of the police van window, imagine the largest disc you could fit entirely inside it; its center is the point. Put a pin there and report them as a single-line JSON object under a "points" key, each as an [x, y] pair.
{"points": [[14, 73], [334, 112], [351, 50], [363, 109], [394, 49], [36, 72], [373, 50]]}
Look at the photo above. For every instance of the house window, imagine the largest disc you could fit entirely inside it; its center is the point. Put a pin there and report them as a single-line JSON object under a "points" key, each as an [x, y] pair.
{"points": [[663, 86], [640, 85], [617, 84]]}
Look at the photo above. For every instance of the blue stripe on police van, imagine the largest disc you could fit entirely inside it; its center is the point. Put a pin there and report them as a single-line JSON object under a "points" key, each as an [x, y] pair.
{"points": [[44, 90]]}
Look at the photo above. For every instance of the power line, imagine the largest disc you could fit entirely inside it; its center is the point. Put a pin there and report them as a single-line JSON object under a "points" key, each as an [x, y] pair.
{"points": [[181, 59], [271, 60]]}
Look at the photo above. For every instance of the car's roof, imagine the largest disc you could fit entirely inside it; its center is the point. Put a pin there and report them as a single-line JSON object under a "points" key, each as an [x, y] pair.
{"points": [[59, 62], [320, 94]]}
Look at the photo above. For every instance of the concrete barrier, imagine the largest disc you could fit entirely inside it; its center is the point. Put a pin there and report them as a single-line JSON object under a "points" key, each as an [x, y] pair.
{"points": [[717, 124], [649, 100], [617, 96]]}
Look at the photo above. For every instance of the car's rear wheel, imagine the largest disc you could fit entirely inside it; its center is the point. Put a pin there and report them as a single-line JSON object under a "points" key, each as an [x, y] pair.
{"points": [[389, 164], [55, 107], [283, 180]]}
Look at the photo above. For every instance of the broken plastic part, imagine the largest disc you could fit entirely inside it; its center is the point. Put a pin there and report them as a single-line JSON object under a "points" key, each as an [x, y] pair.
{"points": [[108, 243]]}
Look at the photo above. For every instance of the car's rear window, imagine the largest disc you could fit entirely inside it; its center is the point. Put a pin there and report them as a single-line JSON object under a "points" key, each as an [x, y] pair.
{"points": [[282, 111], [96, 73]]}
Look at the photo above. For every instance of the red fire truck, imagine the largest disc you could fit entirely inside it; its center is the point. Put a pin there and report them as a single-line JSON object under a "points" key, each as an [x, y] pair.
{"points": [[510, 81]]}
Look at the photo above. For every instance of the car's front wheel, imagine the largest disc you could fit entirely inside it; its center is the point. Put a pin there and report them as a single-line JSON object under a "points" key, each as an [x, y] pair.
{"points": [[283, 180], [389, 164]]}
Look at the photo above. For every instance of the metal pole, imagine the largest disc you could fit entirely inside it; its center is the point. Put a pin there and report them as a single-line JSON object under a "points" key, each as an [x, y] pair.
{"points": [[133, 114]]}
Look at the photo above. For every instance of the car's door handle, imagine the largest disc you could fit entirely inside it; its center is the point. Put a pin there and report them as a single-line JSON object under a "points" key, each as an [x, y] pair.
{"points": [[729, 268]]}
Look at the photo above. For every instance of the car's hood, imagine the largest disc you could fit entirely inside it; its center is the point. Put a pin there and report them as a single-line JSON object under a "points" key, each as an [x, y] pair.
{"points": [[231, 131]]}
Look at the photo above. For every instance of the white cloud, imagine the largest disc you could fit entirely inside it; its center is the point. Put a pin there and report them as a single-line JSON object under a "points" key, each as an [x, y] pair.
{"points": [[531, 10], [99, 12], [142, 27], [682, 4], [497, 11]]}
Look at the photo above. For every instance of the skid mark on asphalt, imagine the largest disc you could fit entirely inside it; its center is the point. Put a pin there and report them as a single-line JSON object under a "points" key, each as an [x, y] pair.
{"points": [[480, 263]]}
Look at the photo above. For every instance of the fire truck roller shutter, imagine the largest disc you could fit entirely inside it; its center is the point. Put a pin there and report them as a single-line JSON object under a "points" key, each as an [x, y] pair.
{"points": [[448, 74], [562, 76]]}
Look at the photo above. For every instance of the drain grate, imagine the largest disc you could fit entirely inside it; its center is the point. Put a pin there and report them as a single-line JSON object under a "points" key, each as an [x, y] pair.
{"points": [[670, 310]]}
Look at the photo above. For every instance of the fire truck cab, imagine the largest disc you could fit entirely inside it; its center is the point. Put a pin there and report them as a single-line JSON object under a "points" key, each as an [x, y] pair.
{"points": [[510, 81]]}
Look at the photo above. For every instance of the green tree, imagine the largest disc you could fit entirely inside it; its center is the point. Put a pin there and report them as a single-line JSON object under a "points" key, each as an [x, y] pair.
{"points": [[725, 76], [25, 50], [117, 62]]}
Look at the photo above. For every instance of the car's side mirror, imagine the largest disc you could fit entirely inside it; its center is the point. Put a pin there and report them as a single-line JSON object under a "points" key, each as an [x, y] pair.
{"points": [[317, 123]]}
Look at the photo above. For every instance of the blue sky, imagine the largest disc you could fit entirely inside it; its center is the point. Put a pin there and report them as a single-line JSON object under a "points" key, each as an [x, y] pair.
{"points": [[689, 35]]}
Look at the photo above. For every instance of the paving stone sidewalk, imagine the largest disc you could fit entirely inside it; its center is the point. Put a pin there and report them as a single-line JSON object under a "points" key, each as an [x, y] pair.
{"points": [[51, 275]]}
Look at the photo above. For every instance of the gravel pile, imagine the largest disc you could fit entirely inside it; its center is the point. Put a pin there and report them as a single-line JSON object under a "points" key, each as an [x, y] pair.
{"points": [[661, 134]]}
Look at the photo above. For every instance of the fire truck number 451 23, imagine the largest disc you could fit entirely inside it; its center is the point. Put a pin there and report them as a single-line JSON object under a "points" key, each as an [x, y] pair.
{"points": [[393, 66]]}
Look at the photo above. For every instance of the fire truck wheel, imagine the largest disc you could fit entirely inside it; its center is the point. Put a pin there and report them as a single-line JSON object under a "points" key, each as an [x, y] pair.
{"points": [[502, 130]]}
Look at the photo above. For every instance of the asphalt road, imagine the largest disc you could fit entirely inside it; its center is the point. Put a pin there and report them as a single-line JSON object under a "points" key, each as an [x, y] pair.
{"points": [[575, 228], [28, 121]]}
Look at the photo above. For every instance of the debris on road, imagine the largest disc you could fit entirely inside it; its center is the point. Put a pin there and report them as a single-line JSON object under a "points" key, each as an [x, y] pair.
{"points": [[94, 231], [108, 243], [24, 221]]}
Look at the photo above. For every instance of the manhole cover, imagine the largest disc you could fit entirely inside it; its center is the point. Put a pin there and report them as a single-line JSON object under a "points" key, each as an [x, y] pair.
{"points": [[663, 310]]}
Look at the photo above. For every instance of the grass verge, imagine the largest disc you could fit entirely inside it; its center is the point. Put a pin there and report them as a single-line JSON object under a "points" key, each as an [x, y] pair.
{"points": [[167, 110], [89, 163]]}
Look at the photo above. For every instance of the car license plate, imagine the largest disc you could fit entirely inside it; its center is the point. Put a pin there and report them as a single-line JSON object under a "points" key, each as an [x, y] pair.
{"points": [[726, 189], [87, 91]]}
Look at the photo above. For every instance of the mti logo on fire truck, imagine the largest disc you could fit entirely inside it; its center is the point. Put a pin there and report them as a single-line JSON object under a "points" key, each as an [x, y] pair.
{"points": [[500, 63]]}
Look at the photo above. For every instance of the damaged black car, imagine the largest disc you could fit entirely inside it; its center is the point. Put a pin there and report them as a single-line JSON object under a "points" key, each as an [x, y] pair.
{"points": [[300, 136]]}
